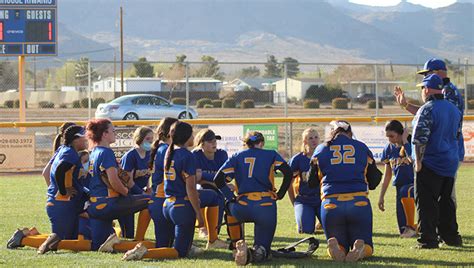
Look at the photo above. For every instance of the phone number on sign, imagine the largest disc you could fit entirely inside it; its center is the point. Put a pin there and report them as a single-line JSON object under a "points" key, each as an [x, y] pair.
{"points": [[16, 141]]}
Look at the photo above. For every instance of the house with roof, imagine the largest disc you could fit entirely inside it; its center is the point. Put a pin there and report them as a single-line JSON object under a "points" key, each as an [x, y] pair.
{"points": [[251, 83], [296, 88]]}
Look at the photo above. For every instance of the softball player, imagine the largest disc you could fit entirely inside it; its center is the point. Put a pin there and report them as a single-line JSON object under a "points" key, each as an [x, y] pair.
{"points": [[209, 159], [253, 170], [346, 215], [56, 145], [307, 203], [181, 207], [107, 204], [155, 206], [396, 156], [135, 162]]}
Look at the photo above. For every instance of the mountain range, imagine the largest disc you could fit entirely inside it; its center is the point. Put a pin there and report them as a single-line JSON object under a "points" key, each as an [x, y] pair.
{"points": [[250, 30]]}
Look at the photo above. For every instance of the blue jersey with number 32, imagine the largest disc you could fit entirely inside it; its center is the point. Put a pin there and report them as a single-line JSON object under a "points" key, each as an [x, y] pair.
{"points": [[342, 166], [253, 169]]}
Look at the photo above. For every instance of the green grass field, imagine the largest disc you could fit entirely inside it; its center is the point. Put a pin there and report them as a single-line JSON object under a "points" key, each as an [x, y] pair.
{"points": [[23, 204]]}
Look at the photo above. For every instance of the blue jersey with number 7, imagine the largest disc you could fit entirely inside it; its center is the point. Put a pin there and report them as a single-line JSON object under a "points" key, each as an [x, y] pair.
{"points": [[253, 169], [342, 166]]}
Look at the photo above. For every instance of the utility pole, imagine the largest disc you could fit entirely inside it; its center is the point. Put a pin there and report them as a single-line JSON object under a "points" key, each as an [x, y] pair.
{"points": [[121, 51]]}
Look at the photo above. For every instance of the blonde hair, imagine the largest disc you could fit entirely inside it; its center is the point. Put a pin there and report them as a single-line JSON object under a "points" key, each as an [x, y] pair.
{"points": [[140, 134], [304, 136]]}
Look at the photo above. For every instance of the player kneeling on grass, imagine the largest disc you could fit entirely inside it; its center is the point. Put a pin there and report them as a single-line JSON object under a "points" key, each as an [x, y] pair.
{"points": [[396, 156], [181, 207], [113, 193], [135, 163], [340, 166], [254, 170], [65, 199], [307, 202]]}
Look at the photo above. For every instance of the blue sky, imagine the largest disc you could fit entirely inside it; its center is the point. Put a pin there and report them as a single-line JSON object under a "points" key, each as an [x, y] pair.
{"points": [[427, 3]]}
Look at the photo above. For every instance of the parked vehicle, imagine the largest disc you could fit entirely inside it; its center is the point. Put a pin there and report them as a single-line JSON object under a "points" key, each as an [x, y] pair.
{"points": [[365, 97], [142, 106]]}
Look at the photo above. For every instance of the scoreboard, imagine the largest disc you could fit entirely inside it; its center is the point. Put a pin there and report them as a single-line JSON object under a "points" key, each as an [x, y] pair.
{"points": [[28, 28]]}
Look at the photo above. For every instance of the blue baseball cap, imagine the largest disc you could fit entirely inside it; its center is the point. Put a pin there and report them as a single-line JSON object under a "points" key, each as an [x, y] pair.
{"points": [[432, 65], [432, 81]]}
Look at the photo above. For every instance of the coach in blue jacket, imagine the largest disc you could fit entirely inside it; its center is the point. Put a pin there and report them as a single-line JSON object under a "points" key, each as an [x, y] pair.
{"points": [[436, 130]]}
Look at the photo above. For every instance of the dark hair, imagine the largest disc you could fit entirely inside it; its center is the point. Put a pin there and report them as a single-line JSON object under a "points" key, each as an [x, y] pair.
{"points": [[253, 138], [70, 134], [57, 139], [163, 132], [180, 133], [96, 128], [338, 130], [395, 126]]}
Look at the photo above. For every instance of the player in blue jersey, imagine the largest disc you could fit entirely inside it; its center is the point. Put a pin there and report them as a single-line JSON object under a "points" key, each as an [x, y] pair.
{"points": [[56, 145], [436, 130], [135, 162], [65, 199], [307, 202], [340, 166], [208, 160], [253, 170], [113, 200], [396, 156], [181, 207], [156, 165]]}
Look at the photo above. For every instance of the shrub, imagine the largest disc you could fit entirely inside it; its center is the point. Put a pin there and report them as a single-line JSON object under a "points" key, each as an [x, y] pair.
{"points": [[178, 101], [17, 104], [340, 103], [202, 102], [63, 105], [8, 104], [97, 101], [76, 104], [217, 103], [324, 93], [371, 104], [470, 104], [46, 104], [207, 106], [268, 106], [311, 104], [247, 104], [228, 103], [85, 103]]}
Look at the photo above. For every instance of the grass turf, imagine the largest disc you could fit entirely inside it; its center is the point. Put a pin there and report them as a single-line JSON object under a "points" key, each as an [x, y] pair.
{"points": [[23, 204]]}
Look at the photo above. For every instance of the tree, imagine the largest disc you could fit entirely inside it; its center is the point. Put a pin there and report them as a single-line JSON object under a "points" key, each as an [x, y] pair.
{"points": [[292, 67], [81, 72], [210, 68], [180, 59], [175, 73], [143, 68], [251, 71], [66, 75], [272, 68]]}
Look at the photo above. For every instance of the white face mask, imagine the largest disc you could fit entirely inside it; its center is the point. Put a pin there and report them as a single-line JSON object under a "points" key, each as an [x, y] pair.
{"points": [[85, 166]]}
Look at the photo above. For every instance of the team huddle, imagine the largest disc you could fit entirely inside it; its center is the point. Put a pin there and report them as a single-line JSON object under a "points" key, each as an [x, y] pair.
{"points": [[183, 182]]}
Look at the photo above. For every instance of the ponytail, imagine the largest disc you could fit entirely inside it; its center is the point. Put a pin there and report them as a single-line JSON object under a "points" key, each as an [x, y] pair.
{"points": [[169, 156], [180, 132], [62, 130], [163, 132]]}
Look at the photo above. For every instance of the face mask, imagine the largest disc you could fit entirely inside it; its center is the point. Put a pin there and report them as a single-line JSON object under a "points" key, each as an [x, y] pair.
{"points": [[146, 146], [85, 166]]}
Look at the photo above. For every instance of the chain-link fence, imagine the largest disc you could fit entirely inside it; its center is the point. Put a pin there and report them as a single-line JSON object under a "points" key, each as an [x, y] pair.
{"points": [[73, 90]]}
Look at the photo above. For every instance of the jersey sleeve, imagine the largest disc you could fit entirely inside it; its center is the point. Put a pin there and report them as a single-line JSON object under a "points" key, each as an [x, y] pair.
{"points": [[386, 154], [128, 162], [189, 165], [294, 163], [422, 125], [108, 159], [228, 168], [197, 160], [278, 160]]}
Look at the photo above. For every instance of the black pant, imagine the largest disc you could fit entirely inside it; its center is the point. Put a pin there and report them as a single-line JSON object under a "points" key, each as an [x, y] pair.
{"points": [[435, 207]]}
